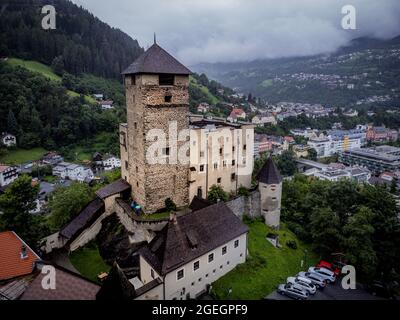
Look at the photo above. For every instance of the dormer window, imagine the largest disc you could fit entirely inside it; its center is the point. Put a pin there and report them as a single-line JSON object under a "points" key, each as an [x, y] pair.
{"points": [[166, 79]]}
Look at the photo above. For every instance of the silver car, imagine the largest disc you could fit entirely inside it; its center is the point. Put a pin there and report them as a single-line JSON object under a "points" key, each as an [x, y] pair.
{"points": [[327, 274], [304, 283], [292, 291], [314, 277]]}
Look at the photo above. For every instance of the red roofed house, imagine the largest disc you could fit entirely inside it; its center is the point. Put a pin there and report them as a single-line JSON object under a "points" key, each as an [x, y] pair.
{"points": [[236, 113], [17, 263]]}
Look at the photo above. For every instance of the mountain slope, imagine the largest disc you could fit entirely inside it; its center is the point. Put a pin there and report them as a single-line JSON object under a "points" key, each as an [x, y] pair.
{"points": [[81, 43], [367, 71]]}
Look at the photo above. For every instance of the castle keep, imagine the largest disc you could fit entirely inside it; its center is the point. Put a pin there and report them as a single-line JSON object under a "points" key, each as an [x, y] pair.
{"points": [[156, 95]]}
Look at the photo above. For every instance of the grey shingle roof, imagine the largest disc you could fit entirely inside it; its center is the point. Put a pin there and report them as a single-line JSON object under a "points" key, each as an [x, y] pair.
{"points": [[269, 174], [84, 219], [157, 60], [113, 188], [193, 235]]}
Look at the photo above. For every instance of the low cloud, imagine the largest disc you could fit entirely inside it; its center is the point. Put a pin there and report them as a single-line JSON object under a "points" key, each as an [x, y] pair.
{"points": [[242, 30]]}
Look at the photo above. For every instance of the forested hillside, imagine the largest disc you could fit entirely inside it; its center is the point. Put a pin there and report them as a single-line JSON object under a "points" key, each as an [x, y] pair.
{"points": [[81, 43]]}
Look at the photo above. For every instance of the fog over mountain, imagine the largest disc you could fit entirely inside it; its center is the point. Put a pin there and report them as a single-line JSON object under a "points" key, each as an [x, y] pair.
{"points": [[240, 30]]}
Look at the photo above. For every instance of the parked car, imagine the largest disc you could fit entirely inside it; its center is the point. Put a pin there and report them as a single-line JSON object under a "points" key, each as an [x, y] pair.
{"points": [[327, 265], [381, 289], [314, 277], [328, 275], [304, 283], [292, 291]]}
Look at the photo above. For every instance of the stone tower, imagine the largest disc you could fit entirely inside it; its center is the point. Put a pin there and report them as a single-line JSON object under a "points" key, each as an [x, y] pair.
{"points": [[270, 188], [157, 96]]}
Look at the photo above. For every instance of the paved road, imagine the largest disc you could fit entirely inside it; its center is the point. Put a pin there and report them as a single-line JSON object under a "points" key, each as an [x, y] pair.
{"points": [[333, 292]]}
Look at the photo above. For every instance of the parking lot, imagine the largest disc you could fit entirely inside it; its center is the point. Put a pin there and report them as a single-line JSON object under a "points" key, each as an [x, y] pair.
{"points": [[332, 292]]}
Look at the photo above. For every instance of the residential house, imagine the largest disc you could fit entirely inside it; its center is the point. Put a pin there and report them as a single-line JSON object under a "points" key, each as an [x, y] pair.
{"points": [[8, 175], [52, 158], [8, 139], [381, 134], [17, 261], [106, 104], [203, 107], [261, 120], [236, 114], [71, 171], [301, 150], [98, 96], [350, 113], [111, 162]]}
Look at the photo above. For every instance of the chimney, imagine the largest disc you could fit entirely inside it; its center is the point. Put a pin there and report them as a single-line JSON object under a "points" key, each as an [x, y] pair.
{"points": [[172, 217], [24, 253]]}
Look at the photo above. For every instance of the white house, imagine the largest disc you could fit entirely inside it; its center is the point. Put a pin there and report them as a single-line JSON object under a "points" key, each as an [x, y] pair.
{"points": [[203, 107], [8, 139], [106, 104], [263, 120], [71, 171], [189, 254], [111, 162], [7, 175]]}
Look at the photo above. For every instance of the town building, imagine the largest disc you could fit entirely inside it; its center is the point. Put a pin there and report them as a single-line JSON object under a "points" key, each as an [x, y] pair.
{"points": [[376, 159], [236, 115], [74, 172], [52, 158], [8, 175], [203, 107], [8, 139], [381, 134], [106, 104], [301, 150], [111, 162], [262, 120]]}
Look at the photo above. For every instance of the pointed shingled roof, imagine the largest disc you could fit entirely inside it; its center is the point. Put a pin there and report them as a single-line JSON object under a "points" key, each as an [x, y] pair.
{"points": [[156, 60], [269, 173]]}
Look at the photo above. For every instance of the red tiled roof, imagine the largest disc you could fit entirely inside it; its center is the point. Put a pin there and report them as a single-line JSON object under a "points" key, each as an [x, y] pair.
{"points": [[3, 168], [11, 264]]}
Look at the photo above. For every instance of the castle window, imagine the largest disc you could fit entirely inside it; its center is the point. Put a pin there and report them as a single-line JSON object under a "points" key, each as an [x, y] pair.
{"points": [[201, 153], [126, 165], [224, 163], [137, 169], [219, 180], [165, 151], [210, 257], [215, 166], [233, 149], [180, 274], [168, 99], [236, 244], [201, 167], [196, 265], [233, 162], [220, 151], [166, 79], [137, 184], [233, 176], [244, 147]]}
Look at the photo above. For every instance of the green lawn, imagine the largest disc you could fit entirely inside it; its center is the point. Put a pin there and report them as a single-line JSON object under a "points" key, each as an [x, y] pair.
{"points": [[35, 66], [20, 156], [156, 216], [88, 262], [266, 267]]}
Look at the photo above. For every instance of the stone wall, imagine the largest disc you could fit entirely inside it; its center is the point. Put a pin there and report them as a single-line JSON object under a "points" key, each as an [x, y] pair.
{"points": [[249, 205]]}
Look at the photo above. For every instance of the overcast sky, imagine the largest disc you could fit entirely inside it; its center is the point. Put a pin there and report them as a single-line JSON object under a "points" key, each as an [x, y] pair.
{"points": [[243, 30]]}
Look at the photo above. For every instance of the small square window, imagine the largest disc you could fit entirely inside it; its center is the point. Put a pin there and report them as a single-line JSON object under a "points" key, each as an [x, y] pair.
{"points": [[168, 99], [224, 250], [196, 265], [244, 147], [220, 151], [211, 257], [233, 162], [233, 149], [219, 180], [165, 151], [236, 244], [201, 153], [233, 176], [192, 284], [215, 166], [202, 168], [180, 274]]}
